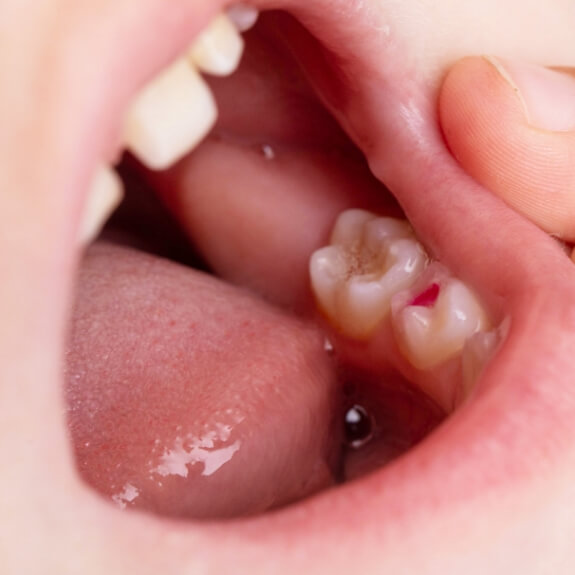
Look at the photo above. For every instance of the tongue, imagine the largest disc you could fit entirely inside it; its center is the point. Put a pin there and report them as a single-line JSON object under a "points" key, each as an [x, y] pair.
{"points": [[190, 398]]}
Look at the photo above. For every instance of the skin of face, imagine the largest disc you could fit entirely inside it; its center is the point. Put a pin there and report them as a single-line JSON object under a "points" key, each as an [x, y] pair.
{"points": [[490, 493]]}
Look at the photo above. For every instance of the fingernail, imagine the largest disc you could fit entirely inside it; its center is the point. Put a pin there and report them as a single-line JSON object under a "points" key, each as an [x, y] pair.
{"points": [[548, 96]]}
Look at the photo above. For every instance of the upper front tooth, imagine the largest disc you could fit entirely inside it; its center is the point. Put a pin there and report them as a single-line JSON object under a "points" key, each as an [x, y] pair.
{"points": [[103, 198], [243, 16], [170, 116], [370, 260], [218, 49], [431, 329]]}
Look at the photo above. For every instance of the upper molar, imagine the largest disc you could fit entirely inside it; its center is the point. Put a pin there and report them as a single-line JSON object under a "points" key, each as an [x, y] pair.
{"points": [[433, 321], [219, 47], [369, 260]]}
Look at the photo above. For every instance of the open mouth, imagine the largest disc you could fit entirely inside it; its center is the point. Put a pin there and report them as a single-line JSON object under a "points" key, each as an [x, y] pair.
{"points": [[374, 328]]}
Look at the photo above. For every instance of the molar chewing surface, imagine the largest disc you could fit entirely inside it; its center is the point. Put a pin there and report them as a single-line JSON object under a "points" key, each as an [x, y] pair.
{"points": [[173, 113], [374, 266], [369, 260]]}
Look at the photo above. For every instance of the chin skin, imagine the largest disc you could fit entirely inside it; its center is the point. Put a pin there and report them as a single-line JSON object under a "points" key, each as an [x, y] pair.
{"points": [[487, 493]]}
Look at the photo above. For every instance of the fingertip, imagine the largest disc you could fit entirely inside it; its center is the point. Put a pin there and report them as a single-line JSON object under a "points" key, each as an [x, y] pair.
{"points": [[488, 129]]}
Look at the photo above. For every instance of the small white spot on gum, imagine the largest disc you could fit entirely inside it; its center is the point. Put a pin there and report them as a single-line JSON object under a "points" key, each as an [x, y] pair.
{"points": [[218, 48], [103, 198], [429, 330], [369, 260], [170, 116], [268, 152]]}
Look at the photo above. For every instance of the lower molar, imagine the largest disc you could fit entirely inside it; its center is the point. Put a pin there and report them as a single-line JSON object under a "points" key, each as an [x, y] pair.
{"points": [[368, 261], [433, 321]]}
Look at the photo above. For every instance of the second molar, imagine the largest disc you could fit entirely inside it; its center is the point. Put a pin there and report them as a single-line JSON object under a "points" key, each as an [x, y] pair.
{"points": [[433, 320]]}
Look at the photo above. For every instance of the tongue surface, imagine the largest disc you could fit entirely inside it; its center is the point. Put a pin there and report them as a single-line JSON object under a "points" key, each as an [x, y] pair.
{"points": [[190, 398]]}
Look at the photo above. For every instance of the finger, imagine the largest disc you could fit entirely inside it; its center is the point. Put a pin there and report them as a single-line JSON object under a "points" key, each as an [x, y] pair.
{"points": [[512, 127]]}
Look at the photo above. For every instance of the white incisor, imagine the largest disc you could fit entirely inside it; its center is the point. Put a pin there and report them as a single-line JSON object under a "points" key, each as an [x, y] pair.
{"points": [[218, 48], [243, 16], [103, 198], [170, 116]]}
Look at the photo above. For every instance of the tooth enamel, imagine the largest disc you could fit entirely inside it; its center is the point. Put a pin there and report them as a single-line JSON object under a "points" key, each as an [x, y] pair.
{"points": [[243, 16], [170, 116], [478, 350], [218, 49], [353, 226], [428, 335], [104, 197], [370, 259]]}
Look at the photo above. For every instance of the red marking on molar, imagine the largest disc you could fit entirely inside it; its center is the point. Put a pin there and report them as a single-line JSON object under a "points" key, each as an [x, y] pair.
{"points": [[428, 297]]}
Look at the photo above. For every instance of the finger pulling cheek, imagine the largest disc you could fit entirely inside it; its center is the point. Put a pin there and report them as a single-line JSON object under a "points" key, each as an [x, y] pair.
{"points": [[512, 127]]}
